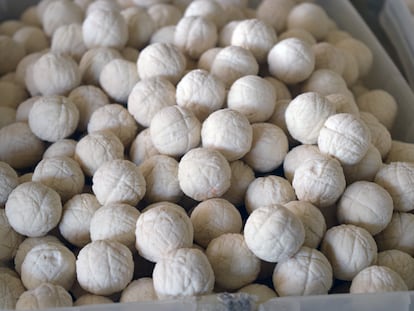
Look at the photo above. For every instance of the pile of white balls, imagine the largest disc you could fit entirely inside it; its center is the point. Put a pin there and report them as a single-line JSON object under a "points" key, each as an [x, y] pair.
{"points": [[153, 149]]}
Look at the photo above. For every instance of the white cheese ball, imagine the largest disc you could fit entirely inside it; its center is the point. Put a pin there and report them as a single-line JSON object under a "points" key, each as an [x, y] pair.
{"points": [[138, 291], [56, 74], [214, 217], [25, 177], [118, 181], [130, 54], [23, 110], [149, 3], [210, 10], [360, 51], [107, 5], [306, 115], [260, 292], [87, 99], [282, 91], [76, 218], [275, 13], [12, 94], [8, 181], [164, 14], [161, 229], [89, 299], [140, 26], [105, 28], [115, 222], [241, 177], [397, 178], [344, 103], [269, 147], [59, 13], [351, 68], [400, 262], [327, 56], [400, 152], [175, 130], [149, 96], [308, 272], [234, 264], [273, 233], [19, 147], [48, 263], [229, 132], [93, 61], [117, 79], [10, 290], [349, 249], [161, 59], [33, 209], [183, 272], [114, 118], [319, 181], [377, 279], [194, 35], [29, 16], [312, 219], [61, 148], [32, 38], [68, 39], [142, 147], [96, 148], [291, 60], [298, 33], [204, 173], [9, 239], [53, 118], [201, 92], [398, 234], [24, 72], [104, 267], [11, 52], [161, 178], [44, 296], [206, 59], [253, 96], [226, 33], [9, 27], [380, 135], [255, 35], [232, 63], [163, 35], [325, 82], [267, 191]]}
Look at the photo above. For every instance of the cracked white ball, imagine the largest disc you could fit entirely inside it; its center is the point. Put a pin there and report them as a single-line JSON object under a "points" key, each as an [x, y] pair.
{"points": [[68, 40], [139, 290], [400, 262], [140, 26], [9, 239], [380, 135], [10, 290], [8, 181], [142, 147], [261, 292], [44, 296], [358, 49], [61, 148], [60, 13]]}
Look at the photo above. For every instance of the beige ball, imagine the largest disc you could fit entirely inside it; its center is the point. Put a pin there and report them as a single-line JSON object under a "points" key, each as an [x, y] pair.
{"points": [[44, 296], [10, 288], [8, 181], [32, 38], [142, 147], [161, 60], [351, 68], [306, 273], [29, 16], [269, 148], [77, 213], [96, 148], [138, 291], [226, 33], [23, 110], [61, 148], [234, 264], [106, 5], [327, 56], [24, 72], [11, 52], [278, 119], [130, 54], [349, 249], [164, 14], [12, 94], [400, 262], [344, 103], [325, 82], [206, 59], [380, 135], [53, 118], [163, 35], [33, 209], [149, 96], [298, 33], [400, 152], [273, 233], [162, 229], [209, 10], [104, 267], [291, 60], [229, 132], [183, 272], [281, 90], [260, 292], [140, 26], [9, 27], [59, 13], [68, 39], [358, 49], [89, 299], [275, 13], [10, 239]]}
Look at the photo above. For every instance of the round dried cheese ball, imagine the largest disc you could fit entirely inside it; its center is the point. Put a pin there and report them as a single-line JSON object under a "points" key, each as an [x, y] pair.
{"points": [[32, 38], [59, 13], [267, 191], [24, 72], [117, 79], [327, 56], [260, 292], [44, 296], [10, 290], [53, 118], [241, 177], [306, 115], [61, 148], [360, 51], [377, 279], [400, 262], [88, 299], [349, 249], [229, 132], [201, 92], [105, 28], [344, 103], [400, 152], [269, 147], [161, 229], [56, 74], [19, 147], [232, 63], [142, 148], [308, 272], [212, 218], [210, 10], [68, 39], [130, 54], [139, 290], [149, 96], [325, 82], [140, 26], [7, 116], [62, 174], [397, 178], [48, 263], [164, 14], [107, 5], [23, 110], [104, 267], [175, 130], [163, 35], [9, 239], [204, 173], [161, 178], [275, 13], [33, 209], [8, 181], [298, 33], [96, 148], [12, 94], [9, 27], [226, 32], [11, 52], [273, 233], [291, 60], [76, 218], [161, 59], [183, 272], [234, 264], [319, 181], [380, 136]]}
